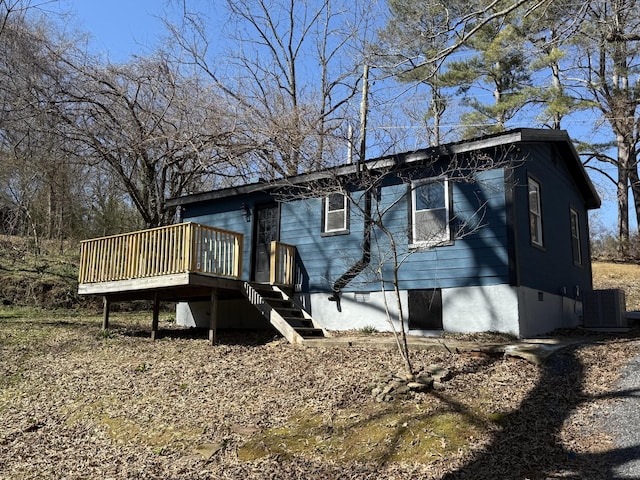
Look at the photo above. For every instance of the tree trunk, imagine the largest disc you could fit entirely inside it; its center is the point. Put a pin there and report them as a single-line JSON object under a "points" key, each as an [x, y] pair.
{"points": [[634, 178], [623, 194]]}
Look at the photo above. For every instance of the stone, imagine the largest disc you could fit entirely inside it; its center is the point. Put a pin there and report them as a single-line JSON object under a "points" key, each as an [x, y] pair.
{"points": [[244, 430], [208, 450], [418, 386], [426, 379], [401, 390], [439, 373], [396, 385], [403, 376]]}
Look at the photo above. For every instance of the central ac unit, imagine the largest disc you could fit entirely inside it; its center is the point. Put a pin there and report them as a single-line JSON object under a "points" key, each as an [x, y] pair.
{"points": [[605, 309]]}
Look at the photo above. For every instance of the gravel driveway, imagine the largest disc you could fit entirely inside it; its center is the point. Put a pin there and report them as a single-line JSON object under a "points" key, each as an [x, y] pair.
{"points": [[623, 423]]}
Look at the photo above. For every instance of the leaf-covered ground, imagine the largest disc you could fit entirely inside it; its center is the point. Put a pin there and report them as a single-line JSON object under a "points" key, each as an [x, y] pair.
{"points": [[77, 403], [619, 275]]}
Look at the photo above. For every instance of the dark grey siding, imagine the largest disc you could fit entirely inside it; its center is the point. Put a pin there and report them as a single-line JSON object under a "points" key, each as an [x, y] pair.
{"points": [[550, 268]]}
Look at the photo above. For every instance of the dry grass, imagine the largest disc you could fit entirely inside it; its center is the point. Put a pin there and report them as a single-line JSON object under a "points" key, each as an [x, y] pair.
{"points": [[45, 278], [77, 403], [619, 275]]}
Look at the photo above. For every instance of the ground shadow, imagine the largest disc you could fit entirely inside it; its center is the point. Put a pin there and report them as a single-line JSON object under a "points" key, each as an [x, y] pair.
{"points": [[529, 447], [223, 337]]}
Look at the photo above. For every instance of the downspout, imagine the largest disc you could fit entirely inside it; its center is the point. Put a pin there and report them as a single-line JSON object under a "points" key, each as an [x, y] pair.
{"points": [[357, 268], [361, 264]]}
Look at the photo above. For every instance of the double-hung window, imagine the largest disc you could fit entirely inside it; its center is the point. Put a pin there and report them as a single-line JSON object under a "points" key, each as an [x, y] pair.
{"points": [[535, 213], [576, 247], [335, 214], [430, 215]]}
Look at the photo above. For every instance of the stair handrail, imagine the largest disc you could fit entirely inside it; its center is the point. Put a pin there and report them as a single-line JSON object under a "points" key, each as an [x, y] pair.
{"points": [[283, 264]]}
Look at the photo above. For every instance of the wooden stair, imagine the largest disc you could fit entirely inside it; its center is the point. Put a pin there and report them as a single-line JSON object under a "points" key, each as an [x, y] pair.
{"points": [[282, 312]]}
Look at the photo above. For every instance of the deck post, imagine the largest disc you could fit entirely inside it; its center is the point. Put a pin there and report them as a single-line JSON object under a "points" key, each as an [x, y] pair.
{"points": [[156, 314], [213, 317], [106, 305]]}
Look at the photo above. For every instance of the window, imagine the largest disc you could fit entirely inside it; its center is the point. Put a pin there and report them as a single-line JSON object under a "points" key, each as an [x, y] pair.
{"points": [[535, 213], [430, 212], [575, 237], [335, 215]]}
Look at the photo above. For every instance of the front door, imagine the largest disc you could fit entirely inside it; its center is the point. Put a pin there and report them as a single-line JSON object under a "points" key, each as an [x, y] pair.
{"points": [[265, 231]]}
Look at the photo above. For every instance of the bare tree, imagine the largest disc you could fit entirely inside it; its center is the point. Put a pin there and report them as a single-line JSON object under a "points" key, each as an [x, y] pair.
{"points": [[159, 131], [604, 53], [291, 76], [40, 181]]}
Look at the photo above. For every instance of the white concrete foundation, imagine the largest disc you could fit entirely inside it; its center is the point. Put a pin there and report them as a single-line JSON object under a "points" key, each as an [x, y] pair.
{"points": [[543, 312], [481, 309], [519, 311], [357, 310]]}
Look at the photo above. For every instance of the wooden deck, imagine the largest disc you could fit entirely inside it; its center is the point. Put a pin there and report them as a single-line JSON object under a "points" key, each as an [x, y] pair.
{"points": [[183, 262], [181, 248]]}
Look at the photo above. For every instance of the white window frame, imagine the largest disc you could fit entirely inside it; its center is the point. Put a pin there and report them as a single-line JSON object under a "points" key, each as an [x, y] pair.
{"points": [[445, 237], [327, 213], [535, 213], [576, 245]]}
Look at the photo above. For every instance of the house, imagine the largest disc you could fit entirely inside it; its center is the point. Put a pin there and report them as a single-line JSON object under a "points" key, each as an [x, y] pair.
{"points": [[491, 234]]}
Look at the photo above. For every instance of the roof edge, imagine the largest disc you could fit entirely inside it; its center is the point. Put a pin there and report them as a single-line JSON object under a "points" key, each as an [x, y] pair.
{"points": [[520, 135]]}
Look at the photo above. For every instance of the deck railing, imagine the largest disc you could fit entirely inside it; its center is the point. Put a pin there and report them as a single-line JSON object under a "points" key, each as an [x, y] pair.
{"points": [[181, 248], [283, 261]]}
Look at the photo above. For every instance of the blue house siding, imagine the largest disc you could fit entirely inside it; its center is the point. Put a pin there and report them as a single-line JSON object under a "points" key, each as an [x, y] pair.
{"points": [[550, 268], [477, 259], [229, 214], [324, 258]]}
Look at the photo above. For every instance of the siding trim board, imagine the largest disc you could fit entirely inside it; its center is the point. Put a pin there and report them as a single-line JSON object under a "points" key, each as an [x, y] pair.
{"points": [[512, 233], [532, 181], [438, 238], [576, 240], [347, 218]]}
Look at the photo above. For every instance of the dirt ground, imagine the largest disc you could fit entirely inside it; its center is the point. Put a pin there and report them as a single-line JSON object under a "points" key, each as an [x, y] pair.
{"points": [[77, 403]]}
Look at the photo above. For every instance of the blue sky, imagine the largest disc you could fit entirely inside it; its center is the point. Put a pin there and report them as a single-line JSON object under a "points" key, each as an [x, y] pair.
{"points": [[121, 28]]}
